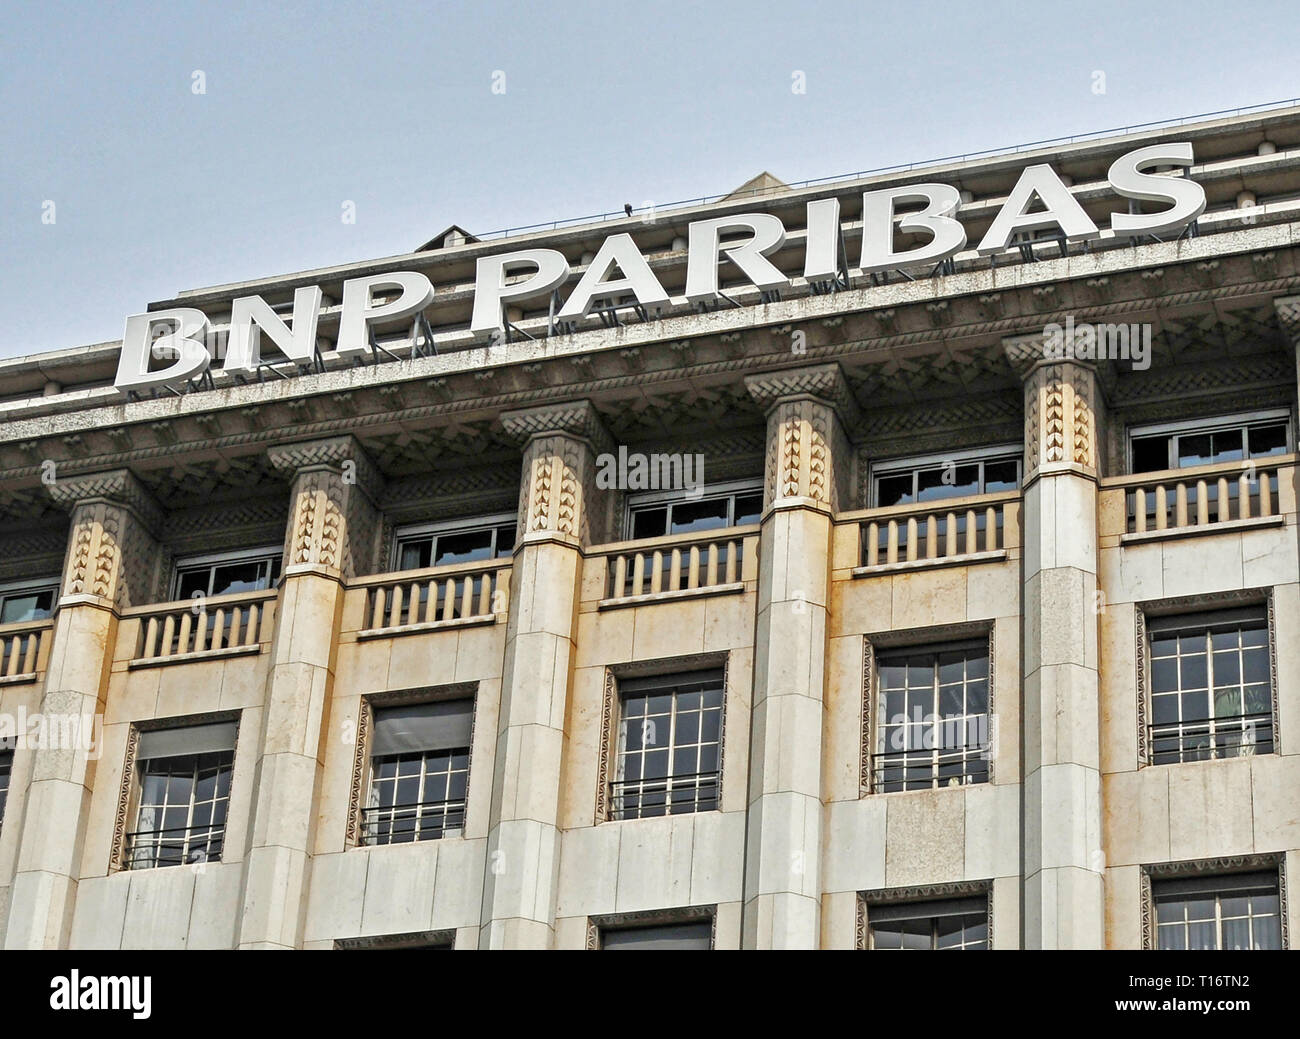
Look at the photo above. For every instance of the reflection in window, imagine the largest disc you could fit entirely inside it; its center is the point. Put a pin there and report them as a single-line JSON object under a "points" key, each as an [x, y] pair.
{"points": [[250, 572], [21, 605], [737, 508], [905, 484], [488, 539], [1181, 449]]}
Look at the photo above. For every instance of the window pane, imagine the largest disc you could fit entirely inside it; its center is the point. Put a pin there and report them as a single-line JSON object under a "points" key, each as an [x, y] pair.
{"points": [[749, 509], [1150, 454], [230, 578], [463, 548], [192, 581], [415, 554], [1267, 440], [649, 523], [689, 516], [21, 607], [1001, 476], [894, 490]]}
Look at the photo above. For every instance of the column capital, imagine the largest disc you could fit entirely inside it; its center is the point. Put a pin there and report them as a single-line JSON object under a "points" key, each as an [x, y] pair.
{"points": [[334, 453], [1287, 309], [116, 486], [1027, 353], [823, 382], [575, 418], [333, 527]]}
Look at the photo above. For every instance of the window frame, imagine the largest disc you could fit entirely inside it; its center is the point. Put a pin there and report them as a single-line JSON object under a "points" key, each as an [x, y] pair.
{"points": [[643, 500], [15, 589], [915, 463], [1174, 616], [613, 750], [1212, 424], [1216, 885], [877, 728], [131, 800], [212, 560], [436, 529], [370, 780], [6, 778]]}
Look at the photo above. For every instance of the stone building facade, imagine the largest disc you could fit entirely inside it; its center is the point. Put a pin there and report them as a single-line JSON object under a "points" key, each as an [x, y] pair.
{"points": [[635, 718]]}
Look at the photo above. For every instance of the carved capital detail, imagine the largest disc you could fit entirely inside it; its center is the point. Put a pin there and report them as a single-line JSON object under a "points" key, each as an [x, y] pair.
{"points": [[111, 549], [577, 418], [119, 486], [1062, 417], [825, 382], [1288, 316], [333, 521]]}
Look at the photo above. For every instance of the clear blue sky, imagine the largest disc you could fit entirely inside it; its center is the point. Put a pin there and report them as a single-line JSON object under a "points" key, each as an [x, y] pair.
{"points": [[390, 106]]}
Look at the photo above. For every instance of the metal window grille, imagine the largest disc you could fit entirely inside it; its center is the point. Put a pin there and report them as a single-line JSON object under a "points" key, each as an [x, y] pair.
{"points": [[1232, 912], [416, 796], [1211, 687], [669, 746], [182, 815], [934, 721]]}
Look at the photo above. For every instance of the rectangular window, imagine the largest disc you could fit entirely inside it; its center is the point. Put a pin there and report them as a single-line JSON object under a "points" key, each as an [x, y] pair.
{"points": [[6, 770], [669, 745], [227, 573], [933, 727], [448, 544], [955, 923], [23, 603], [1231, 439], [938, 477], [1211, 686], [183, 793], [694, 935], [659, 514], [419, 772], [1239, 911]]}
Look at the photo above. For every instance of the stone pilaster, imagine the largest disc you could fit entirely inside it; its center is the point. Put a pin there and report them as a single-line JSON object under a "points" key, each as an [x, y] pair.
{"points": [[559, 508], [111, 563], [1063, 865], [808, 460], [332, 535]]}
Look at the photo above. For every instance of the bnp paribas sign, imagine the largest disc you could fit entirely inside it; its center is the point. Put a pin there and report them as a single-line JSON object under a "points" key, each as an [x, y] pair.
{"points": [[619, 271]]}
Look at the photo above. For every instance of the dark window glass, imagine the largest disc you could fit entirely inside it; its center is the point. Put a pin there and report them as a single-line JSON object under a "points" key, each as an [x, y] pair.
{"points": [[1267, 440], [1001, 476], [708, 514], [505, 541], [415, 555], [247, 575], [1150, 454], [895, 490], [749, 509], [650, 523], [463, 548]]}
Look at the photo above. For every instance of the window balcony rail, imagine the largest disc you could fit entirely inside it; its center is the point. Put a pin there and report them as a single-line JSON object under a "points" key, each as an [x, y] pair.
{"points": [[938, 533], [176, 846], [417, 600], [1201, 499], [1212, 739], [219, 625], [895, 770], [421, 821], [712, 561], [667, 795], [21, 646]]}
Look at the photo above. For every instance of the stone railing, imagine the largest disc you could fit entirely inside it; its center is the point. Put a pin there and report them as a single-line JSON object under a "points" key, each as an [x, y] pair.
{"points": [[419, 600], [943, 533], [220, 625], [21, 646], [695, 564], [1200, 499]]}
